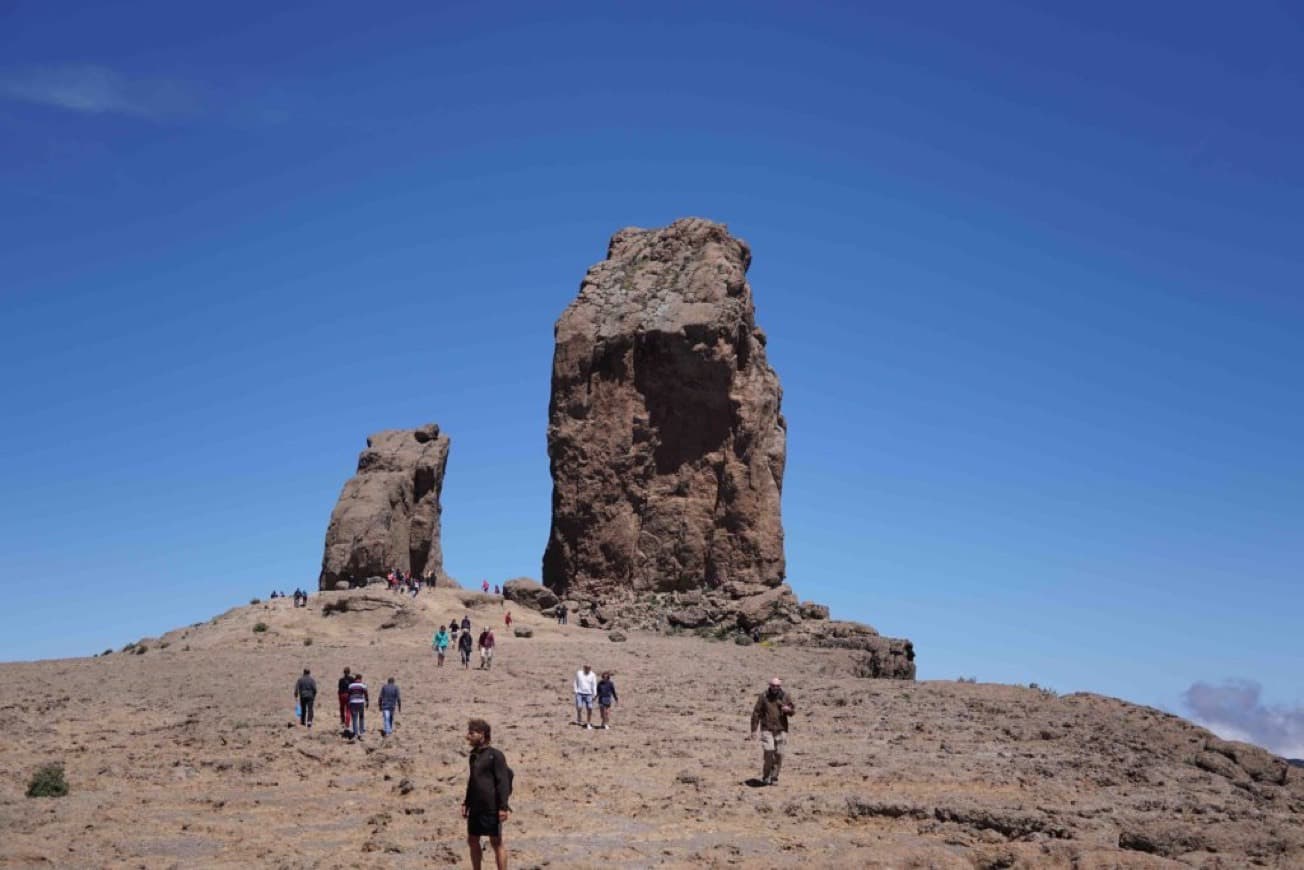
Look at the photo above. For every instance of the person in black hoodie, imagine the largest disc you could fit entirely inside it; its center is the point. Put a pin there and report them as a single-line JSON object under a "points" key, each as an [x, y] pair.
{"points": [[464, 646], [488, 791]]}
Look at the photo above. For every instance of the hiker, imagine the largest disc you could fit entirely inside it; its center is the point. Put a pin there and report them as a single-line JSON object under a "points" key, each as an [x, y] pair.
{"points": [[440, 643], [305, 692], [488, 790], [464, 646], [586, 686], [359, 701], [466, 622], [484, 586], [390, 703], [770, 714], [486, 645], [344, 697], [561, 614], [606, 697], [508, 620], [496, 590]]}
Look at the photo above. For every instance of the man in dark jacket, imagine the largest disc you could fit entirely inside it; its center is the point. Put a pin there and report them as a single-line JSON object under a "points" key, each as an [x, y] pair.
{"points": [[305, 692], [770, 715], [344, 684], [488, 790]]}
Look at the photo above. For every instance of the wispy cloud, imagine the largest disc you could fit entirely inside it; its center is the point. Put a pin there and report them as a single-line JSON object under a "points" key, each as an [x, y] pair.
{"points": [[97, 90], [1235, 711]]}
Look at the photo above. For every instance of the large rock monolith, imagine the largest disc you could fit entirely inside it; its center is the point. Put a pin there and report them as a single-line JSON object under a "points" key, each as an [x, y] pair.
{"points": [[388, 513], [665, 438], [667, 450]]}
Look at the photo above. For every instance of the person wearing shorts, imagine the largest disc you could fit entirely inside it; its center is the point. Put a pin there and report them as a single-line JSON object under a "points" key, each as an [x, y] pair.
{"points": [[606, 698], [488, 792], [770, 718], [586, 686]]}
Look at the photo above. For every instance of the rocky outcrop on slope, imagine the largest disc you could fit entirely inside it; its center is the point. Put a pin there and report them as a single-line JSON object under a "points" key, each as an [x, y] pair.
{"points": [[667, 449], [388, 514]]}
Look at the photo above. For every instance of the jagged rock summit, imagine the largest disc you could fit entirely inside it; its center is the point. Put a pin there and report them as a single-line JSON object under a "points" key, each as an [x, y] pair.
{"points": [[388, 513], [667, 450]]}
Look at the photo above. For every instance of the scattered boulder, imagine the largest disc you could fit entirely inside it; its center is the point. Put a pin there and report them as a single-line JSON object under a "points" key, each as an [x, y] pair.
{"points": [[617, 637], [523, 631], [388, 515], [529, 593]]}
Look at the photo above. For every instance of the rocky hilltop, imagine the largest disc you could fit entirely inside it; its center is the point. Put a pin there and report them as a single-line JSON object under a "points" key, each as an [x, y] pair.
{"points": [[667, 449], [181, 751], [388, 513]]}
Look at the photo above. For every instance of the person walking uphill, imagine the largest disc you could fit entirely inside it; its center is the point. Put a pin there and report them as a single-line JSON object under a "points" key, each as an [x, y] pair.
{"points": [[305, 692], [344, 697], [390, 703], [488, 791], [770, 715], [359, 701]]}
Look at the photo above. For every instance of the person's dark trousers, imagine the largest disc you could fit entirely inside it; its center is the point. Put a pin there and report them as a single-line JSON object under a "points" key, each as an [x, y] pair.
{"points": [[305, 710], [344, 709]]}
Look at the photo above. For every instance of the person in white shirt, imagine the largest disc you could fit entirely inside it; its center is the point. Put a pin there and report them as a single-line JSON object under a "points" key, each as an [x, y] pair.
{"points": [[586, 686]]}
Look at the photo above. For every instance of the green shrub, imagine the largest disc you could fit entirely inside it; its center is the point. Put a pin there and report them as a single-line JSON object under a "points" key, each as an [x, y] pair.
{"points": [[255, 601], [48, 782], [260, 627], [107, 652], [307, 641], [140, 649]]}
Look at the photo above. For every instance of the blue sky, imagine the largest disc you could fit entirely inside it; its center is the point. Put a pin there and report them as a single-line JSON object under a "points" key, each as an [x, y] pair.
{"points": [[1032, 283]]}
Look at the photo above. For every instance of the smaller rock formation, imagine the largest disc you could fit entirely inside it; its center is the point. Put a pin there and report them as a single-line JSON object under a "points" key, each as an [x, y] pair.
{"points": [[388, 515]]}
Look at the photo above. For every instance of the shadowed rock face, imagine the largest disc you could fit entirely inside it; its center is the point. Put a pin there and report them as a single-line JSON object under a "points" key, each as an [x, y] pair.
{"points": [[388, 514], [665, 438]]}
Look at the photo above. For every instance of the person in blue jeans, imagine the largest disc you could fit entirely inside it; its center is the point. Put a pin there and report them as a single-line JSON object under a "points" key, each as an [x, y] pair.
{"points": [[390, 701], [359, 701]]}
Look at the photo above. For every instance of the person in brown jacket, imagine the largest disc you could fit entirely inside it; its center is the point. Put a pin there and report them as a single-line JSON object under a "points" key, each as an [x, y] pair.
{"points": [[770, 715]]}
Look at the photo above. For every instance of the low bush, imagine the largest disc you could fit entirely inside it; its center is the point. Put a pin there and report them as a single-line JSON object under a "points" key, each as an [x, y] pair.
{"points": [[255, 601], [48, 782], [307, 641], [260, 627]]}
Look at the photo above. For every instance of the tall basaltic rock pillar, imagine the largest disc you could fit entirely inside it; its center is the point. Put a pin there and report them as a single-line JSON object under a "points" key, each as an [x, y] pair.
{"points": [[388, 513], [667, 451], [665, 438]]}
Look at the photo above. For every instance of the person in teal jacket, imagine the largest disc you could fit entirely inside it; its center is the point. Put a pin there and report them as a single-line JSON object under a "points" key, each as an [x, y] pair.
{"points": [[440, 643]]}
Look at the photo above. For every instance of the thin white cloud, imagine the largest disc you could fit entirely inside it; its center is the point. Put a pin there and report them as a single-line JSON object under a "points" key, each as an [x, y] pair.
{"points": [[97, 90], [1235, 711]]}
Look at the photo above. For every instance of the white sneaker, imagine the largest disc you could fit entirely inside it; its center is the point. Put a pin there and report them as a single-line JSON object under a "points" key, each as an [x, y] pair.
{"points": [[604, 727], [588, 727]]}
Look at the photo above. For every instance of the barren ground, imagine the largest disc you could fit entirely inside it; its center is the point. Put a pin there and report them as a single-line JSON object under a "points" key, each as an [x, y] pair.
{"points": [[187, 756]]}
